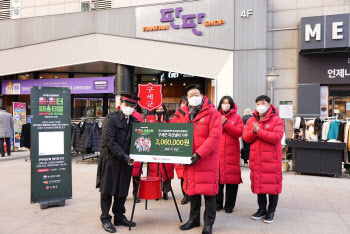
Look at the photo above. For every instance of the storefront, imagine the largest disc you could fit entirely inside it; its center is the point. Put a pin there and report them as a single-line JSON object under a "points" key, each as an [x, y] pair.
{"points": [[321, 132]]}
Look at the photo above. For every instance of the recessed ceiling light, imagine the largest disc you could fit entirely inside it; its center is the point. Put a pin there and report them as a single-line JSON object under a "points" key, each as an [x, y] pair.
{"points": [[184, 84], [27, 75], [154, 78], [171, 83], [40, 77]]}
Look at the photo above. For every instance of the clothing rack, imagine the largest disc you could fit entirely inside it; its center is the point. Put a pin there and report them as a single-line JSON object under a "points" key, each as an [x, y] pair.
{"points": [[87, 120]]}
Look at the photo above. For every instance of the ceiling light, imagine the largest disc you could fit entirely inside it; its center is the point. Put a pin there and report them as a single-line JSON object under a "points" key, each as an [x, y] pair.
{"points": [[27, 75], [171, 83], [40, 77], [184, 84], [56, 77]]}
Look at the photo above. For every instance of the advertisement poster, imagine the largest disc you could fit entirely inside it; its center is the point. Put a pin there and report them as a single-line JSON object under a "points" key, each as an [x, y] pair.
{"points": [[286, 110], [20, 118], [76, 85], [324, 101], [162, 142], [51, 169]]}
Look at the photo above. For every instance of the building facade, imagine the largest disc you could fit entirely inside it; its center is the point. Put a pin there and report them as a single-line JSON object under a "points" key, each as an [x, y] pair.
{"points": [[231, 44]]}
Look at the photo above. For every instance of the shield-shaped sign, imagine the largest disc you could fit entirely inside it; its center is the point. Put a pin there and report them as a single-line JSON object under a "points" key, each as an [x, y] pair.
{"points": [[151, 96]]}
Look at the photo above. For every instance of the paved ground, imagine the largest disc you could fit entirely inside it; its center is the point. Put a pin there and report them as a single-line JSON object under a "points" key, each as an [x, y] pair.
{"points": [[308, 204]]}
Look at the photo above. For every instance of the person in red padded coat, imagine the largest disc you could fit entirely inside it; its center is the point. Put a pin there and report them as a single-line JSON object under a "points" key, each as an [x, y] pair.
{"points": [[137, 165], [201, 177], [156, 169], [265, 131], [230, 169], [180, 168]]}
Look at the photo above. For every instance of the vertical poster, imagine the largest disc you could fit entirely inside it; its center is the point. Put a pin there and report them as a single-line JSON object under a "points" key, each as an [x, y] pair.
{"points": [[324, 101], [20, 118], [51, 168]]}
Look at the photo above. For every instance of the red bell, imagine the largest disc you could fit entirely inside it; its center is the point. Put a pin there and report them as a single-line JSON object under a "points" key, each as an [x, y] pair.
{"points": [[150, 188]]}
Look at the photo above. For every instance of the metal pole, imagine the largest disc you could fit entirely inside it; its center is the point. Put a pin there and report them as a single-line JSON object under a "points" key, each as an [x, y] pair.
{"points": [[271, 93], [137, 192]]}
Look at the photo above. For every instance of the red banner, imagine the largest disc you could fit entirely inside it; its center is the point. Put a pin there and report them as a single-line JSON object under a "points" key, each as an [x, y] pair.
{"points": [[151, 96]]}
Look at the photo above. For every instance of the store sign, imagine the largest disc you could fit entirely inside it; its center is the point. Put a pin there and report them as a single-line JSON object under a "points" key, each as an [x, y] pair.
{"points": [[162, 142], [51, 170], [19, 117], [328, 33], [328, 68], [189, 21], [151, 96], [286, 110], [173, 76], [324, 97], [76, 85]]}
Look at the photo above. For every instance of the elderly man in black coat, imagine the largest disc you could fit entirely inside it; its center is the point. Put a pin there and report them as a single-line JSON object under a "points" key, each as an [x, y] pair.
{"points": [[114, 173]]}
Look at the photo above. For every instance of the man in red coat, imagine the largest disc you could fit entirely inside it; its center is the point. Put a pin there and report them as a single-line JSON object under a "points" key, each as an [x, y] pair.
{"points": [[265, 131], [201, 177]]}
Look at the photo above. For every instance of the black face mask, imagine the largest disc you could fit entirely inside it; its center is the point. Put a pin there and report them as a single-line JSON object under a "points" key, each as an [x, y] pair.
{"points": [[160, 112]]}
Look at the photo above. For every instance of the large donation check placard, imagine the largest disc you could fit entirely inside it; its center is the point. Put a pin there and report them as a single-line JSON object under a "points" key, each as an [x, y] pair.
{"points": [[162, 142]]}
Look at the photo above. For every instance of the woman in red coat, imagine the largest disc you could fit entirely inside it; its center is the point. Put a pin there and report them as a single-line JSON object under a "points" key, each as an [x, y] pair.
{"points": [[180, 168], [265, 131], [201, 177], [230, 170], [137, 165], [156, 169]]}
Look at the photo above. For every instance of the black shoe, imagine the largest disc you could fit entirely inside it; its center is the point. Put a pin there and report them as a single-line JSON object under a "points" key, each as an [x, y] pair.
{"points": [[269, 217], [259, 214], [228, 210], [218, 207], [108, 227], [2, 155], [185, 200], [165, 196], [138, 200], [189, 225], [125, 222], [207, 230]]}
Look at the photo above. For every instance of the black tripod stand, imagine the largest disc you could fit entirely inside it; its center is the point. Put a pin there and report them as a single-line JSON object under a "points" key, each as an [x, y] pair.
{"points": [[172, 193]]}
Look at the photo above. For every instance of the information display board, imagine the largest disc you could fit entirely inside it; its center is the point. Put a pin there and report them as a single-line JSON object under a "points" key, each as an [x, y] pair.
{"points": [[162, 142], [51, 169]]}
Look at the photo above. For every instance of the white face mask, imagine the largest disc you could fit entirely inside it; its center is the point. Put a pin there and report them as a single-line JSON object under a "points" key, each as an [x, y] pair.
{"points": [[195, 101], [262, 109], [225, 107], [127, 110]]}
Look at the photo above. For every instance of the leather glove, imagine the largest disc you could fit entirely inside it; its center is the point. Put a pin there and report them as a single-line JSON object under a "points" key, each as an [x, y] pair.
{"points": [[195, 157], [126, 158]]}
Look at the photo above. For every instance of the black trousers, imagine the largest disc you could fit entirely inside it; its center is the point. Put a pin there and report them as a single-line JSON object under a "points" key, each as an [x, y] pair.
{"points": [[230, 196], [118, 208], [262, 201], [135, 185], [182, 189], [8, 146], [209, 212]]}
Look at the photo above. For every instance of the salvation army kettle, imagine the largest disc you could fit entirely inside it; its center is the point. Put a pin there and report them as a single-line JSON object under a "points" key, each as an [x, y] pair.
{"points": [[150, 188]]}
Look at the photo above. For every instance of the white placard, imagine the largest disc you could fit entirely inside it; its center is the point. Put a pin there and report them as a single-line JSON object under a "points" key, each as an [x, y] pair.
{"points": [[51, 143], [286, 110]]}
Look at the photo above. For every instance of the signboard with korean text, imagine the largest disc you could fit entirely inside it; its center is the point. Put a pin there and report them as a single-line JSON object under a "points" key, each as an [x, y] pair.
{"points": [[151, 96], [286, 110], [19, 117], [195, 23], [328, 68], [51, 170], [162, 142], [76, 85]]}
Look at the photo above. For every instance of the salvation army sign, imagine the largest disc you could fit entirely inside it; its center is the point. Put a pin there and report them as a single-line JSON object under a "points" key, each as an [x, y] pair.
{"points": [[151, 96]]}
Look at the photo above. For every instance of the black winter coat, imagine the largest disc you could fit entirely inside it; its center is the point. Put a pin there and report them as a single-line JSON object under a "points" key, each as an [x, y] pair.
{"points": [[80, 137], [94, 139], [114, 174], [246, 146]]}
